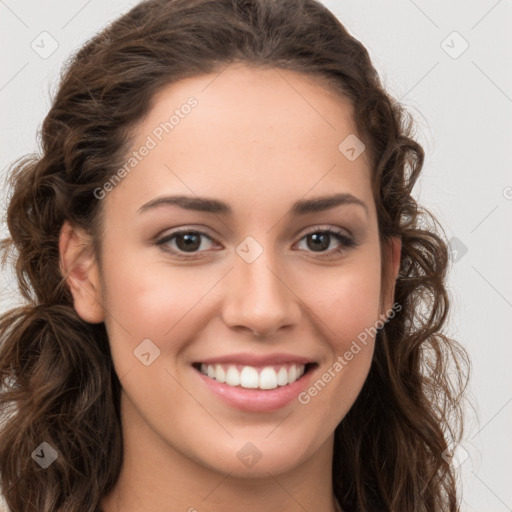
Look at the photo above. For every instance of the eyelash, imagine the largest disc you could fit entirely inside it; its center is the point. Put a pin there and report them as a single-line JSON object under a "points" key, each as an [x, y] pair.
{"points": [[347, 243]]}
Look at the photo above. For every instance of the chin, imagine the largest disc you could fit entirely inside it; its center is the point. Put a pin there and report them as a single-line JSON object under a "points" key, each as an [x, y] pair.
{"points": [[259, 457]]}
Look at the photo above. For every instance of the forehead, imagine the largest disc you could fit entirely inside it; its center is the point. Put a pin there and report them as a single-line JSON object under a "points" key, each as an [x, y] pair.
{"points": [[246, 132]]}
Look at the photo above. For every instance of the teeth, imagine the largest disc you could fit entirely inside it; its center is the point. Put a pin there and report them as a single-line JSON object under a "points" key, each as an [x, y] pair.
{"points": [[282, 377], [220, 374], [268, 378], [232, 376], [249, 377]]}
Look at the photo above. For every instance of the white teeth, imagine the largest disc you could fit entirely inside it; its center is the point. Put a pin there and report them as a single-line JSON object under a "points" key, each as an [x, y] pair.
{"points": [[251, 378], [220, 374], [232, 376], [268, 378], [282, 377]]}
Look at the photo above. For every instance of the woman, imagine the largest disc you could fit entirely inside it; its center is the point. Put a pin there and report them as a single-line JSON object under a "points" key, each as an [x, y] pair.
{"points": [[233, 299]]}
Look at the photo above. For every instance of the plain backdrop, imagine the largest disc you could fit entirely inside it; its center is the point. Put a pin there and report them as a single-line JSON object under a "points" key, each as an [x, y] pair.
{"points": [[450, 64]]}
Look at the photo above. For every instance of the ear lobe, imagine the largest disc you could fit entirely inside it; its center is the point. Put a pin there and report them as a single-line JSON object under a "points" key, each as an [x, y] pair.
{"points": [[78, 267]]}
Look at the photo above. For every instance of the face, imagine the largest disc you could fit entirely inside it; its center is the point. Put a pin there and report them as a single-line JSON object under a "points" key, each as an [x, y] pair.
{"points": [[249, 276]]}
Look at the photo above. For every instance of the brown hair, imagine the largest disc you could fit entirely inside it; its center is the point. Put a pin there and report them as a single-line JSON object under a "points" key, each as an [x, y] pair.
{"points": [[59, 382]]}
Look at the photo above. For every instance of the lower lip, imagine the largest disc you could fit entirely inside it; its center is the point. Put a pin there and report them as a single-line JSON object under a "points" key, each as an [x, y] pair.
{"points": [[256, 400]]}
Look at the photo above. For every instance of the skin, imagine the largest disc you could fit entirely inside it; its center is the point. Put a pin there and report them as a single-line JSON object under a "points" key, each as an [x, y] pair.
{"points": [[279, 145]]}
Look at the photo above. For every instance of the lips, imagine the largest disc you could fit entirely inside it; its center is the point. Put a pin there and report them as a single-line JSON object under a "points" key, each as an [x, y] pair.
{"points": [[255, 371], [256, 360], [250, 377], [257, 400], [263, 372]]}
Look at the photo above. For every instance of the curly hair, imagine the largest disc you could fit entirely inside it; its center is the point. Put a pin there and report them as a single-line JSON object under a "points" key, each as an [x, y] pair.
{"points": [[58, 380]]}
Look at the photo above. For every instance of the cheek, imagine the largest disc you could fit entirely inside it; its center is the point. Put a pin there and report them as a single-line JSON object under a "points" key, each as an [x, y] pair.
{"points": [[347, 309], [346, 301], [149, 300]]}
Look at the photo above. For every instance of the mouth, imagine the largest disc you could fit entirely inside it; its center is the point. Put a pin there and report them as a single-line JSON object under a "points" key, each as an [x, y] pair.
{"points": [[264, 377]]}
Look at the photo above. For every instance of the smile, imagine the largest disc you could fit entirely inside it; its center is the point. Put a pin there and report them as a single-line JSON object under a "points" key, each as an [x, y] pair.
{"points": [[254, 377]]}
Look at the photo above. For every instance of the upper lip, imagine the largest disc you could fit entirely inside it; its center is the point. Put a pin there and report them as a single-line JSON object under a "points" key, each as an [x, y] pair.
{"points": [[257, 360]]}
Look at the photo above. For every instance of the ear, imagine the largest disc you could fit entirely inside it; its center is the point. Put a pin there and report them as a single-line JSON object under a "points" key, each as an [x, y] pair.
{"points": [[393, 250], [79, 268]]}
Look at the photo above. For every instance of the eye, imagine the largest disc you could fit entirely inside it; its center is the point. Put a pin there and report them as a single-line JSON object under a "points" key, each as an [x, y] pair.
{"points": [[183, 241], [320, 239]]}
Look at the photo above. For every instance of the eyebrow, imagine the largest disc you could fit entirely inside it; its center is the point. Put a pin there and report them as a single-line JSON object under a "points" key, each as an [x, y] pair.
{"points": [[301, 207]]}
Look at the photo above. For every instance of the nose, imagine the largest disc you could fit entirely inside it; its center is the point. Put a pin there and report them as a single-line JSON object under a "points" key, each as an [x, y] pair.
{"points": [[259, 298]]}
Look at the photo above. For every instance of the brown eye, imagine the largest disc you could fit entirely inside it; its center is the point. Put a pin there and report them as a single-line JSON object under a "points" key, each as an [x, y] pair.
{"points": [[183, 241], [188, 241], [320, 240]]}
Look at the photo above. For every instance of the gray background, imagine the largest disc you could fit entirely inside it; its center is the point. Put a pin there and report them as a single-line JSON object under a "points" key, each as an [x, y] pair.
{"points": [[462, 103]]}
